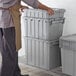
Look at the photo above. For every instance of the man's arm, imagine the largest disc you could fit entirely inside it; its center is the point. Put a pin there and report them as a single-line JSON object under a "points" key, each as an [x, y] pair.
{"points": [[44, 7], [37, 4]]}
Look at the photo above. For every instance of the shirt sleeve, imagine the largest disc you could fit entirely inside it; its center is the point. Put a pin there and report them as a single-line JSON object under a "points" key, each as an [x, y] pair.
{"points": [[32, 3]]}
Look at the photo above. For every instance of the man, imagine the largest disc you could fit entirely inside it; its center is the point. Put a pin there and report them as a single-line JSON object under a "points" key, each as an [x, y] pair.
{"points": [[9, 65]]}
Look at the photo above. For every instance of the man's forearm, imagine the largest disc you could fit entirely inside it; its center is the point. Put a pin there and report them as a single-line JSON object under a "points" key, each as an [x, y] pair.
{"points": [[42, 6]]}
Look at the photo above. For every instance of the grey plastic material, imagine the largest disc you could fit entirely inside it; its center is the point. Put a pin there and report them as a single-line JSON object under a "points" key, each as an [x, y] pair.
{"points": [[42, 28], [68, 54], [42, 54], [37, 23], [38, 13], [68, 42]]}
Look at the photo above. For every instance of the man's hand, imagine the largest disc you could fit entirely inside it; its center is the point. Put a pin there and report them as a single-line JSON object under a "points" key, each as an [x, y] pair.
{"points": [[23, 7], [50, 11], [44, 7]]}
